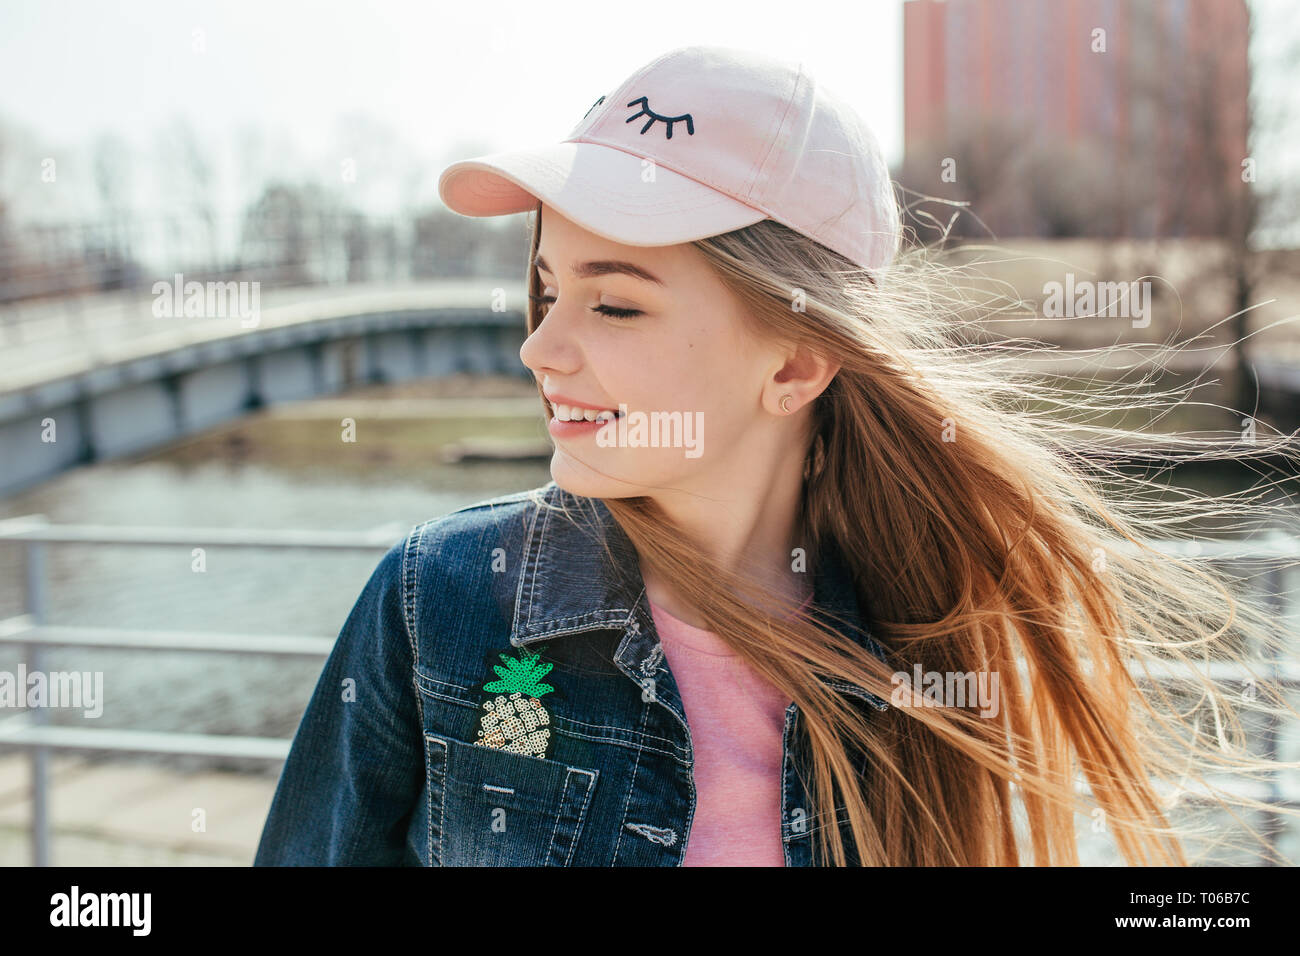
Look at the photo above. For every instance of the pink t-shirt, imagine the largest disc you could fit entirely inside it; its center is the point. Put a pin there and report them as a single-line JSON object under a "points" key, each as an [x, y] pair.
{"points": [[737, 720]]}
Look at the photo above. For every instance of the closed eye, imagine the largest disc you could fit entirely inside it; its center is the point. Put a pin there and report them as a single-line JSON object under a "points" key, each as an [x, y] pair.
{"points": [[609, 310], [668, 121]]}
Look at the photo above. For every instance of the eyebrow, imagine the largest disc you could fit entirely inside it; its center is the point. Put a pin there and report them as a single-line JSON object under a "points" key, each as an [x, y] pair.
{"points": [[604, 267]]}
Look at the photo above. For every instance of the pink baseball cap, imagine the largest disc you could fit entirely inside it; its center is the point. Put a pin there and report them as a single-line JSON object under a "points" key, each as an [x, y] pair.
{"points": [[700, 141]]}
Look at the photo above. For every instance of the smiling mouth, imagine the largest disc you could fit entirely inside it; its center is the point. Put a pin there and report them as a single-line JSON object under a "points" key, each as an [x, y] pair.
{"points": [[577, 415]]}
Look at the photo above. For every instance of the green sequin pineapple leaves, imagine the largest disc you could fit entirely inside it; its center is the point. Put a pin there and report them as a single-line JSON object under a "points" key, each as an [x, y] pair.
{"points": [[523, 674]]}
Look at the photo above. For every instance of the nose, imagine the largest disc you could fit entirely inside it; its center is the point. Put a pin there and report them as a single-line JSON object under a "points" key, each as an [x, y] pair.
{"points": [[551, 347]]}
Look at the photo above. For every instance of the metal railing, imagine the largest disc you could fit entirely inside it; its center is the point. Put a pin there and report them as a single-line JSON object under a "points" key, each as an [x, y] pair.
{"points": [[30, 630]]}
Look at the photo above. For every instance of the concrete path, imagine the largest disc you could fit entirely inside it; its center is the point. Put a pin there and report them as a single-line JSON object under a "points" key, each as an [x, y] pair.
{"points": [[121, 813]]}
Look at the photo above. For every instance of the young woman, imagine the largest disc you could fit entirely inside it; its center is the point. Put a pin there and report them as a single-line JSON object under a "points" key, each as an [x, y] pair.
{"points": [[812, 582]]}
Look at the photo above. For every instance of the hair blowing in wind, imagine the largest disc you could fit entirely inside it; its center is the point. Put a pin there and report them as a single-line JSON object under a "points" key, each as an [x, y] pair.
{"points": [[982, 539]]}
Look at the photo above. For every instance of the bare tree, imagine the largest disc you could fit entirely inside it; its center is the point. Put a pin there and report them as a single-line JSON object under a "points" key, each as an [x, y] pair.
{"points": [[1204, 145], [189, 167], [289, 234], [112, 164], [977, 171]]}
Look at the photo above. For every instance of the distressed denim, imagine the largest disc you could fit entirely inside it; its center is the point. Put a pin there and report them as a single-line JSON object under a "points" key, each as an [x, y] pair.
{"points": [[385, 768]]}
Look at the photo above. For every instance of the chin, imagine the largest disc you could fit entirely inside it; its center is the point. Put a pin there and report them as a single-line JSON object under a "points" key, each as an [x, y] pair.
{"points": [[580, 479]]}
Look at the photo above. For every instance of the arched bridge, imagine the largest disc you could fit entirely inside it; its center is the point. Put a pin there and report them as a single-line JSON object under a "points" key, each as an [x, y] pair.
{"points": [[86, 380]]}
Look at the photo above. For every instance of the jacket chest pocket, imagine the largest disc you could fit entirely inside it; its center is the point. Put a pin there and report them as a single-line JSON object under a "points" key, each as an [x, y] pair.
{"points": [[490, 807]]}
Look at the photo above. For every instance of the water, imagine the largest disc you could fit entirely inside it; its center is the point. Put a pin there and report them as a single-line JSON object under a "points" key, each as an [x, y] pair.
{"points": [[243, 591], [288, 471]]}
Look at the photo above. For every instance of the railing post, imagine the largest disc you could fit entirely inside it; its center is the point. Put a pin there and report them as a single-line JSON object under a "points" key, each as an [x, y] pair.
{"points": [[1274, 592], [40, 756]]}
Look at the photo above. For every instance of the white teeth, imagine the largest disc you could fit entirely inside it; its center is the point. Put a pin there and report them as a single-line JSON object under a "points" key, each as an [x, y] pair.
{"points": [[571, 413]]}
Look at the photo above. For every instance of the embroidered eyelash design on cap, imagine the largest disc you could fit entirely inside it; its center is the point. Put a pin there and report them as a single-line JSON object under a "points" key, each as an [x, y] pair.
{"points": [[592, 107], [666, 120]]}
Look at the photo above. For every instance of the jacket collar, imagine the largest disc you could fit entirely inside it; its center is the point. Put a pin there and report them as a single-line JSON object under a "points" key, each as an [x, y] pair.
{"points": [[582, 573]]}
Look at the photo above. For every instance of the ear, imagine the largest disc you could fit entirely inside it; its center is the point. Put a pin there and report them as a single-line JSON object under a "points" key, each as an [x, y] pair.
{"points": [[804, 375]]}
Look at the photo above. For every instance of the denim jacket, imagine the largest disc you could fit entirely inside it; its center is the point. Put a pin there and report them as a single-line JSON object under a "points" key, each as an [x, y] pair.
{"points": [[498, 696]]}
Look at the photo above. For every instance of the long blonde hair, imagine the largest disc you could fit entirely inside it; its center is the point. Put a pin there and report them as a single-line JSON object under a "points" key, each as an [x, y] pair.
{"points": [[980, 541]]}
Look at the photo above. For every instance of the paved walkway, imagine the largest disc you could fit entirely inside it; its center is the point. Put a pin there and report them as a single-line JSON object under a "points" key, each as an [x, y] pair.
{"points": [[121, 813]]}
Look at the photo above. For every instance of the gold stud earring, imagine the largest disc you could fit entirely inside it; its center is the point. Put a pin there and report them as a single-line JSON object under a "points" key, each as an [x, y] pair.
{"points": [[784, 399]]}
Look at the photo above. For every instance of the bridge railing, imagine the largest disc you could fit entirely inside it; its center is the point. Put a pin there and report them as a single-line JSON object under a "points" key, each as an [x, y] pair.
{"points": [[53, 261], [32, 732]]}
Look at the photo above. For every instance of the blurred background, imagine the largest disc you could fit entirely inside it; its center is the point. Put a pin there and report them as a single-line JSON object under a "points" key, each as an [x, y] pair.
{"points": [[194, 489]]}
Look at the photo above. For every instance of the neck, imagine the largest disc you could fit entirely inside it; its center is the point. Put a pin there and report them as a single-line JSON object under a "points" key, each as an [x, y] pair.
{"points": [[752, 527]]}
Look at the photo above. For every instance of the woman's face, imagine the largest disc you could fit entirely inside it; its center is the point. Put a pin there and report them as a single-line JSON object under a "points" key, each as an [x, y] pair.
{"points": [[651, 329]]}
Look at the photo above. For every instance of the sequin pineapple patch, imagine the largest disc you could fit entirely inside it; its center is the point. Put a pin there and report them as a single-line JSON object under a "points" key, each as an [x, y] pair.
{"points": [[514, 717]]}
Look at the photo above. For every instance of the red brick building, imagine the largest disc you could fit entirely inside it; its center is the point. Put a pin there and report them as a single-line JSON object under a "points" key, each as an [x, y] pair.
{"points": [[1137, 107]]}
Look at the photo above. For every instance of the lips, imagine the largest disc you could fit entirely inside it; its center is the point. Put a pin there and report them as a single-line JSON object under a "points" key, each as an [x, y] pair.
{"points": [[555, 398]]}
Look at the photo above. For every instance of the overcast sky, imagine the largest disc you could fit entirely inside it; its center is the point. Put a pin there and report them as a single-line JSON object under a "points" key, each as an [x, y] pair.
{"points": [[428, 82], [447, 79]]}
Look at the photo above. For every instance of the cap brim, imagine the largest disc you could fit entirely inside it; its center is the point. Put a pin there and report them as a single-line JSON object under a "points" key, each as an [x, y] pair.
{"points": [[600, 188]]}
